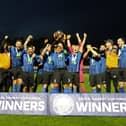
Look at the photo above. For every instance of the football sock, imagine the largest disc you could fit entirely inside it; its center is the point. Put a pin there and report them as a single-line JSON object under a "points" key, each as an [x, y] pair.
{"points": [[14, 88]]}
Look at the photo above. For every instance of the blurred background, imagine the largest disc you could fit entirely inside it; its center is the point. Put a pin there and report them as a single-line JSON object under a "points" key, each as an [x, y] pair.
{"points": [[101, 19]]}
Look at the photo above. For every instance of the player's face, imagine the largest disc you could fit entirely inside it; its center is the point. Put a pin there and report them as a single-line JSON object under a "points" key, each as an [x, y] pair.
{"points": [[120, 42], [19, 45], [114, 51], [102, 48], [115, 46], [61, 46], [49, 48], [75, 48], [59, 49], [30, 50], [108, 45]]}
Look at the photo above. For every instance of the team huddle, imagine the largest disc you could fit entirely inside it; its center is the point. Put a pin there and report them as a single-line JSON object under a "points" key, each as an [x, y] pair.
{"points": [[59, 65]]}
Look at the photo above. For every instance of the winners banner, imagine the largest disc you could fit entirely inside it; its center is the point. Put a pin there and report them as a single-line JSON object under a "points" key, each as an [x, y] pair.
{"points": [[88, 104], [63, 104], [23, 103]]}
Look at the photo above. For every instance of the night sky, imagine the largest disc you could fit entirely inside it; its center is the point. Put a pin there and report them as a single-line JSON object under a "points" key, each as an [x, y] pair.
{"points": [[101, 19]]}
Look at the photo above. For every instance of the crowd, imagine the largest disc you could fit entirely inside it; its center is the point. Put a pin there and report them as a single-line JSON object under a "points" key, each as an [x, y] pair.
{"points": [[59, 65]]}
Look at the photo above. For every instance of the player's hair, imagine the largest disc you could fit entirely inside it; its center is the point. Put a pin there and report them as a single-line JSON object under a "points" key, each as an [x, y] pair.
{"points": [[2, 46], [30, 46], [19, 39], [109, 41], [122, 38], [61, 43]]}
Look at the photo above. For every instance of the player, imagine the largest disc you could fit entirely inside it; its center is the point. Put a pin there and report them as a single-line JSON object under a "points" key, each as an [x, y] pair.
{"points": [[29, 60], [74, 64], [16, 53], [122, 64], [60, 68], [48, 67], [5, 75], [94, 68], [111, 65]]}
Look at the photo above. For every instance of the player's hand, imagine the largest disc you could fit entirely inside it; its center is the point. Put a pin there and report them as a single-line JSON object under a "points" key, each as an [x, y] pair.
{"points": [[95, 48], [77, 34], [6, 37], [46, 40], [30, 37], [40, 64], [89, 47], [33, 55], [68, 37], [47, 45], [85, 35]]}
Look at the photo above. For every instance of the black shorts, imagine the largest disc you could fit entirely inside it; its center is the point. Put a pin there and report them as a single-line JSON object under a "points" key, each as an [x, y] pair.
{"points": [[112, 73], [2, 73], [94, 79], [28, 78], [103, 78], [5, 80], [59, 76], [17, 73], [39, 78], [73, 77], [122, 75], [47, 77]]}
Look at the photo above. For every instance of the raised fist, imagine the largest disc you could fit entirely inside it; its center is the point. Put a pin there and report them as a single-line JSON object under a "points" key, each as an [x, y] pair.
{"points": [[68, 37], [77, 34], [6, 37], [85, 35], [33, 55], [46, 40], [30, 37], [89, 47]]}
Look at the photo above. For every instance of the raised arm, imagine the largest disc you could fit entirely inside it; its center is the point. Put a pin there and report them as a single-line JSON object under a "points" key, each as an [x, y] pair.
{"points": [[69, 44], [92, 50], [6, 37], [28, 39], [86, 53], [84, 38], [68, 41], [44, 50], [83, 43], [78, 38], [46, 40]]}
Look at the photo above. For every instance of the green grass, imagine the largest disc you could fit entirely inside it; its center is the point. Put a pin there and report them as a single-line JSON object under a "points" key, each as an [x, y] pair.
{"points": [[13, 120], [24, 120]]}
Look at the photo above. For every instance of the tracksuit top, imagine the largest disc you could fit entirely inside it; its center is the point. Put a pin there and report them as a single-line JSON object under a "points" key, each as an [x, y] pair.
{"points": [[74, 62]]}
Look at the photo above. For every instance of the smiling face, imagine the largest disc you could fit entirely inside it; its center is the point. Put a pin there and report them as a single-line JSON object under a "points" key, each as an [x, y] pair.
{"points": [[30, 50], [59, 49], [108, 45], [75, 48], [114, 51], [120, 42], [102, 48], [61, 46], [18, 45]]}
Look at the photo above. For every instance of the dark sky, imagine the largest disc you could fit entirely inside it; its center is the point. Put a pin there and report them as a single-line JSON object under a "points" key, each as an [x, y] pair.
{"points": [[101, 19]]}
